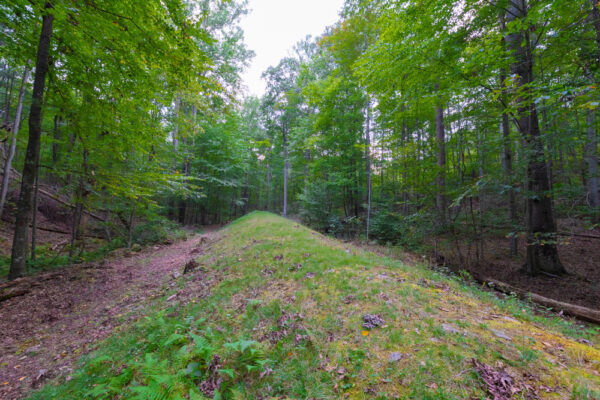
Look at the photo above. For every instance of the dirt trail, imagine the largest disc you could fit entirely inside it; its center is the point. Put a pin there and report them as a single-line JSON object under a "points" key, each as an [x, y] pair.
{"points": [[65, 313]]}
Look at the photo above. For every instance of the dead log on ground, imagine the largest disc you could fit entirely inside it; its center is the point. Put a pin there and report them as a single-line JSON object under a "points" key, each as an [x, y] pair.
{"points": [[580, 312], [16, 293]]}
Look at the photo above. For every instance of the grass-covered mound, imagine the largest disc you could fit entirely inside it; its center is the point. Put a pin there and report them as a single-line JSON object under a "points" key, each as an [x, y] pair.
{"points": [[293, 314]]}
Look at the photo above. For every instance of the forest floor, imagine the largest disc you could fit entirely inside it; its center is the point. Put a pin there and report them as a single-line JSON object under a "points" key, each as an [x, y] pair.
{"points": [[579, 255], [275, 310], [64, 313]]}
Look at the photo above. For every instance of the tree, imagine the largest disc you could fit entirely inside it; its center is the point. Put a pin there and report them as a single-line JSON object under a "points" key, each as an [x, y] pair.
{"points": [[542, 252], [13, 141], [30, 170]]}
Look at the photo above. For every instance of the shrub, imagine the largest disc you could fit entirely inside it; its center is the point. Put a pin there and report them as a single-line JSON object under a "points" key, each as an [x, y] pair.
{"points": [[158, 230]]}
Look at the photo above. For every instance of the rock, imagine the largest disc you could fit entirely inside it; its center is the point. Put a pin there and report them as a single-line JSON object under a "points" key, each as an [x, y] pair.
{"points": [[41, 373], [449, 328], [33, 349], [500, 334], [395, 357]]}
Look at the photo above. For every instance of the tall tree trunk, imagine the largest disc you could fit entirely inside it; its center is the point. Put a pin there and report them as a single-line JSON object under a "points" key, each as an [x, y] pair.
{"points": [[306, 169], [368, 163], [508, 172], [56, 134], [285, 172], [542, 251], [269, 178], [35, 213], [507, 157], [10, 80], [591, 149], [13, 141], [405, 198], [130, 227], [20, 242], [441, 161]]}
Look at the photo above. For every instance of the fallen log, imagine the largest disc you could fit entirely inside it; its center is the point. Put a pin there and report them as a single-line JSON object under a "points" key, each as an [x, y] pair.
{"points": [[583, 313], [42, 228], [56, 198], [16, 293], [12, 283]]}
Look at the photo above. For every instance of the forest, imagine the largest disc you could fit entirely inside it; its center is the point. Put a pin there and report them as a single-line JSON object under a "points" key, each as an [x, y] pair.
{"points": [[458, 136]]}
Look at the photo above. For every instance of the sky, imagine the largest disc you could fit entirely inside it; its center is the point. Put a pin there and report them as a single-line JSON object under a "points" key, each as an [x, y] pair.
{"points": [[272, 27]]}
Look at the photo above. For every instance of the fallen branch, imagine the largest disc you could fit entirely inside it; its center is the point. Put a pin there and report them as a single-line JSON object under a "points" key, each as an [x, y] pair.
{"points": [[16, 293], [583, 313], [66, 203], [54, 197], [564, 234], [41, 228]]}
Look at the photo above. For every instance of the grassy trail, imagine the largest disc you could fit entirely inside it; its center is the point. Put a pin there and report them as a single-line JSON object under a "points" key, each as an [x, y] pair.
{"points": [[288, 313]]}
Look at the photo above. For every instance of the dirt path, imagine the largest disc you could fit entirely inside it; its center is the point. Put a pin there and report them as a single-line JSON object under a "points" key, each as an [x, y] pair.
{"points": [[65, 313]]}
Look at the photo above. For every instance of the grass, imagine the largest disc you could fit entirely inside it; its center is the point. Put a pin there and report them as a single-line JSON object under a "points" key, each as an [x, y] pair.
{"points": [[284, 320]]}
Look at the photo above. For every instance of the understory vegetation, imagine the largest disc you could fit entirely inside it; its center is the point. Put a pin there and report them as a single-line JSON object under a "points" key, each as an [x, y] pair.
{"points": [[286, 316]]}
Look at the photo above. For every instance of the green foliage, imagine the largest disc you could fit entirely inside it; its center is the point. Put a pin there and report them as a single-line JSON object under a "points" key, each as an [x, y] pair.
{"points": [[158, 230], [388, 227]]}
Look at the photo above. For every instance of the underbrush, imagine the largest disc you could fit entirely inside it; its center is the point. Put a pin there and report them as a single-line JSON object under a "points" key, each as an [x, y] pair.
{"points": [[166, 357], [158, 230]]}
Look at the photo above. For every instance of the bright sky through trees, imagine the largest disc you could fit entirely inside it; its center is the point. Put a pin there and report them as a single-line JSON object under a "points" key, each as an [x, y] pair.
{"points": [[273, 27]]}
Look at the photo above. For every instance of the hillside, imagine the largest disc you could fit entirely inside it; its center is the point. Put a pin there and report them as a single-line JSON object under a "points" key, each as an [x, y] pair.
{"points": [[276, 310]]}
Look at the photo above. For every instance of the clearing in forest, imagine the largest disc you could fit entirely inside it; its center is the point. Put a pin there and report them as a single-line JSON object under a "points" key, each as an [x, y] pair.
{"points": [[290, 313]]}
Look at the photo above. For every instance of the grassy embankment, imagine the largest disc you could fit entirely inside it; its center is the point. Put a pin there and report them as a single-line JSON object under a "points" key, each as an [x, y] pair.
{"points": [[284, 319]]}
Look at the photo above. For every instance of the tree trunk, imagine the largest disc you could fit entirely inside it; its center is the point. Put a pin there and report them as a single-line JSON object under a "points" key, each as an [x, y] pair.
{"points": [[306, 169], [542, 251], [508, 172], [10, 80], [107, 226], [35, 213], [269, 176], [591, 147], [441, 161], [592, 161], [56, 134], [23, 218], [507, 157], [130, 228], [285, 171], [368, 164], [13, 141]]}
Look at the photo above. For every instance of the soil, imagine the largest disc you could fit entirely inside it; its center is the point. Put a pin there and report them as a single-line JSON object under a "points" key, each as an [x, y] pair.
{"points": [[63, 314], [580, 257]]}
